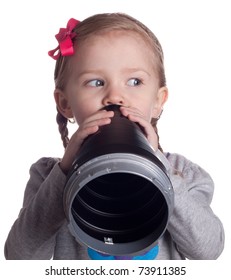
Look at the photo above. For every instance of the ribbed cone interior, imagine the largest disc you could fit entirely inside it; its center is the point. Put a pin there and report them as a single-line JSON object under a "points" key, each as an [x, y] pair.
{"points": [[121, 206]]}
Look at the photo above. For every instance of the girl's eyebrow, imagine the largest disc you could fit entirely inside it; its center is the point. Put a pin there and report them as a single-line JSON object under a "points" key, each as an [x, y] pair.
{"points": [[90, 71], [134, 70]]}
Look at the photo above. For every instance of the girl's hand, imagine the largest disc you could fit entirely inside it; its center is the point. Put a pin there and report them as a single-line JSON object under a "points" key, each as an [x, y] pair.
{"points": [[135, 115], [88, 127]]}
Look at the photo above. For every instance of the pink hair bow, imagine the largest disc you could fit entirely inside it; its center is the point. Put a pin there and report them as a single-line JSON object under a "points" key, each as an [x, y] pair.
{"points": [[64, 37]]}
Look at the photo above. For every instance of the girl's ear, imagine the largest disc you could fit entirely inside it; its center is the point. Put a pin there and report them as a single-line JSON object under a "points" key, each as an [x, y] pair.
{"points": [[63, 104], [162, 97]]}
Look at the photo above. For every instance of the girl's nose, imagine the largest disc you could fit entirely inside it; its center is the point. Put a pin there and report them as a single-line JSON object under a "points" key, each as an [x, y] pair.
{"points": [[113, 97]]}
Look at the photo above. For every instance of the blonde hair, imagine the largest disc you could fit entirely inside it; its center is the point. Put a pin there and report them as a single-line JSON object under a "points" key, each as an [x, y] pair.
{"points": [[98, 24]]}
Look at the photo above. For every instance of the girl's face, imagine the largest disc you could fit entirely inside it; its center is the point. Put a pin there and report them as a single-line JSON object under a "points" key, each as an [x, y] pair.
{"points": [[112, 68]]}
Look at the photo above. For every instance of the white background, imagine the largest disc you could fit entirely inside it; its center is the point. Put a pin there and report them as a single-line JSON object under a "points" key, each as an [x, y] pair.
{"points": [[195, 36]]}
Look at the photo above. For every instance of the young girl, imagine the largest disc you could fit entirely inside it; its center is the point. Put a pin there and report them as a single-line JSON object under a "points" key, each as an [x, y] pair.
{"points": [[111, 59]]}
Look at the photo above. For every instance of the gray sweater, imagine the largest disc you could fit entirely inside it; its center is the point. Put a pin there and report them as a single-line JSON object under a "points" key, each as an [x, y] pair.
{"points": [[41, 232]]}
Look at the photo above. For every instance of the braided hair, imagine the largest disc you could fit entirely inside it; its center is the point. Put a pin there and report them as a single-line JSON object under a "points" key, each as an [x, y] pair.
{"points": [[62, 126]]}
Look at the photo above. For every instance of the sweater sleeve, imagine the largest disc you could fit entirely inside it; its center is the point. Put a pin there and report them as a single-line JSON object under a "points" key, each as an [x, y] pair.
{"points": [[196, 230], [32, 235]]}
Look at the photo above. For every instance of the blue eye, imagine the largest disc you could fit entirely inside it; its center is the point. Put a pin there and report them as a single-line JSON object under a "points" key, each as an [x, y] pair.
{"points": [[95, 83], [134, 82]]}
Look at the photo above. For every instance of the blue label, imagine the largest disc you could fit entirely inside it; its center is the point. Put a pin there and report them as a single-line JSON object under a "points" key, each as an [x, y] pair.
{"points": [[150, 255]]}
